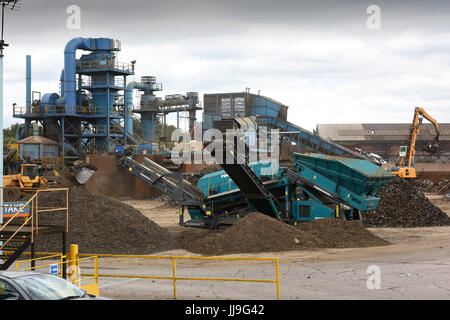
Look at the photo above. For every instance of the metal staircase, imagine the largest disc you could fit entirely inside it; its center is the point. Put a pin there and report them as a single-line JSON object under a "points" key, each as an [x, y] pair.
{"points": [[20, 230], [133, 139], [15, 241]]}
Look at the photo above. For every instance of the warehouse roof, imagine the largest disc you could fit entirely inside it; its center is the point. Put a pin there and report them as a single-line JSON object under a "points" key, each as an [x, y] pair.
{"points": [[380, 131], [37, 140]]}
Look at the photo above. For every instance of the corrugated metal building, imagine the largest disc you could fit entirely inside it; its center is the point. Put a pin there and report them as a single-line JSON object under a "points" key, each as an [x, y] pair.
{"points": [[37, 147], [385, 139], [220, 108]]}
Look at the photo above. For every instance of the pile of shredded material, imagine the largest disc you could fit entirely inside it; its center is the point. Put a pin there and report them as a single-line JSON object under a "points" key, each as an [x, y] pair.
{"points": [[403, 204], [100, 224], [257, 232]]}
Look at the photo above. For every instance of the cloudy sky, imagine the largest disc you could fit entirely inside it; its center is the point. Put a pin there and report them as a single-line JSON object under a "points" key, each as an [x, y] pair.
{"points": [[318, 57]]}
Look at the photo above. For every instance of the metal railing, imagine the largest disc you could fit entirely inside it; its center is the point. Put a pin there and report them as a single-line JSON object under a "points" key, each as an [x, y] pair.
{"points": [[94, 289], [103, 129], [176, 278], [64, 109], [52, 163], [91, 288], [106, 64], [32, 205], [60, 256], [101, 81], [42, 209], [19, 110], [20, 214]]}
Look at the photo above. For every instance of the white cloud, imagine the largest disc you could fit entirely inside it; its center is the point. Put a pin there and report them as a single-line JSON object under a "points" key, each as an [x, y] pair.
{"points": [[326, 74]]}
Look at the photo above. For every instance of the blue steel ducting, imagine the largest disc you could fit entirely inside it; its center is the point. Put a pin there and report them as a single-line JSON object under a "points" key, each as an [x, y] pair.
{"points": [[49, 99], [20, 132], [148, 119], [70, 98], [61, 82], [265, 108], [129, 103], [68, 90]]}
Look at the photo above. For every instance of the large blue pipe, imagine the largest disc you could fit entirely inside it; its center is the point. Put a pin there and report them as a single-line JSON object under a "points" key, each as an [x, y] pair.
{"points": [[69, 97], [20, 132], [129, 103], [61, 82]]}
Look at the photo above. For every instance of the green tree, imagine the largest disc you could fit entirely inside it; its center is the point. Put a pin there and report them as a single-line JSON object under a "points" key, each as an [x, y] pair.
{"points": [[9, 134]]}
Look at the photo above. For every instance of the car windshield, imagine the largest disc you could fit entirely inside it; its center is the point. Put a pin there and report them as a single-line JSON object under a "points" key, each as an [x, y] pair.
{"points": [[48, 287]]}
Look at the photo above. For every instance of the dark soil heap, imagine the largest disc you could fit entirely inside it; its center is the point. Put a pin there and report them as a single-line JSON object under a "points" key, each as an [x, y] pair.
{"points": [[100, 224], [402, 204], [259, 233]]}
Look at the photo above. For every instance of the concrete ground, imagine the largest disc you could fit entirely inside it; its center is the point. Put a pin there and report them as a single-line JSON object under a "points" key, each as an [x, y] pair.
{"points": [[415, 266]]}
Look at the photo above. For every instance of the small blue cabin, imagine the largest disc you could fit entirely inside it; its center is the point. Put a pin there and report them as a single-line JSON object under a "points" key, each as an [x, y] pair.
{"points": [[37, 147]]}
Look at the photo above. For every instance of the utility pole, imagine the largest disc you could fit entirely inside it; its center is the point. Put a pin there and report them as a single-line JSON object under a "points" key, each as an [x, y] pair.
{"points": [[11, 5]]}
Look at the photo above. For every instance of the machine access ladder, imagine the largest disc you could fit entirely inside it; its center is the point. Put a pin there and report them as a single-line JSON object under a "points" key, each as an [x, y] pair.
{"points": [[14, 242], [20, 230], [132, 138]]}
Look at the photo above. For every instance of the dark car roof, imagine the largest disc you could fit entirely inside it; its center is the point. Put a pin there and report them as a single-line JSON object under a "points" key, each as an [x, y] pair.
{"points": [[15, 274]]}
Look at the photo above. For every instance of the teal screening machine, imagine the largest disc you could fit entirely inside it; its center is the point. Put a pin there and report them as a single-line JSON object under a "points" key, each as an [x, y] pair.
{"points": [[312, 186]]}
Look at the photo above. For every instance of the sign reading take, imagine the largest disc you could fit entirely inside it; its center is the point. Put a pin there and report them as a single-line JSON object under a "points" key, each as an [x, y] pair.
{"points": [[11, 208]]}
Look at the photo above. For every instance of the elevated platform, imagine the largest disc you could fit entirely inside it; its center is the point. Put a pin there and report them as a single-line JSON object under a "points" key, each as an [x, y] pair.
{"points": [[11, 228]]}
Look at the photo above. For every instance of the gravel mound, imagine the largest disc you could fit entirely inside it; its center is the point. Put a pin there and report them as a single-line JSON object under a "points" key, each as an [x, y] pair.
{"points": [[403, 204], [100, 224], [257, 233]]}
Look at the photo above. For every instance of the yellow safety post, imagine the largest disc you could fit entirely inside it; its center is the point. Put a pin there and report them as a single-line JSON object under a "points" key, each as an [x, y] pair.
{"points": [[174, 272], [73, 265]]}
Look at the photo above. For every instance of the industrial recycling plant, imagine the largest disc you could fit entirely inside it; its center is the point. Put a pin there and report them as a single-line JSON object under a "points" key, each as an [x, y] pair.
{"points": [[93, 112]]}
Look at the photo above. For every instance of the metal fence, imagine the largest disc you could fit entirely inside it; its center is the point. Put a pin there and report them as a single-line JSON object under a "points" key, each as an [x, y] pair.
{"points": [[91, 288], [94, 289], [176, 278]]}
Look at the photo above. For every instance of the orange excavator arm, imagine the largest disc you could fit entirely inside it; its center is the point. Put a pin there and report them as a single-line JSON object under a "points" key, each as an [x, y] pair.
{"points": [[433, 146]]}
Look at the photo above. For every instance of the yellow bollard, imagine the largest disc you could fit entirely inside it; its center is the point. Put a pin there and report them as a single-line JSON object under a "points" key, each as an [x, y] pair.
{"points": [[73, 270]]}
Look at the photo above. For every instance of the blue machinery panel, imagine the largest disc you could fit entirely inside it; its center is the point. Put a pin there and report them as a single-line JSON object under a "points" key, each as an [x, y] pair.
{"points": [[313, 186]]}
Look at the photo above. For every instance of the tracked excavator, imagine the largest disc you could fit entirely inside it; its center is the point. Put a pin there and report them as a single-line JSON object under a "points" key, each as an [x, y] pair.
{"points": [[404, 166]]}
